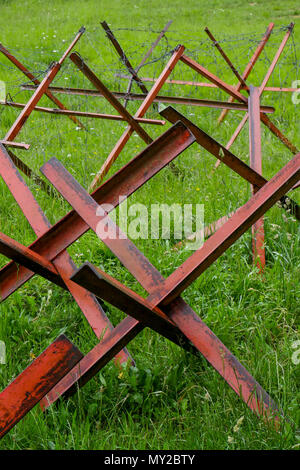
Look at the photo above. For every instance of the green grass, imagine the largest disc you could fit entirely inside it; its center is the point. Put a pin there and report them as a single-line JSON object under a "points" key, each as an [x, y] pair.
{"points": [[170, 400]]}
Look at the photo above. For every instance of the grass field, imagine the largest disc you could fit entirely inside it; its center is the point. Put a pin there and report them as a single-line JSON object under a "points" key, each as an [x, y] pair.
{"points": [[170, 399]]}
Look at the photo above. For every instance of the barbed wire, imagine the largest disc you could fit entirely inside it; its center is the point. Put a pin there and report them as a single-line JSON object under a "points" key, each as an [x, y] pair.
{"points": [[47, 131]]}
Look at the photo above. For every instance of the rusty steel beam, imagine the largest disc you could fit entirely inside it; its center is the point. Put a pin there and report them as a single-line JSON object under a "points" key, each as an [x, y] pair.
{"points": [[122, 184], [40, 91], [258, 235], [145, 273], [31, 77], [36, 381], [228, 158], [159, 99], [146, 56], [140, 113], [70, 112], [218, 243], [123, 56], [63, 263], [79, 62]]}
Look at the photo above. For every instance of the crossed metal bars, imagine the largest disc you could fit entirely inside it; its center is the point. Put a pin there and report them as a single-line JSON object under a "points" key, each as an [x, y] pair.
{"points": [[164, 293], [262, 88], [233, 92], [153, 96], [42, 88], [163, 310]]}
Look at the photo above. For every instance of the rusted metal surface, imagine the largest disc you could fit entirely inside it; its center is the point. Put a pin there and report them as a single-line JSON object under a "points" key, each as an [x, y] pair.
{"points": [[30, 259], [31, 77], [163, 310], [140, 113], [123, 183], [258, 236], [70, 112], [145, 273], [228, 158], [62, 263], [40, 91], [36, 381]]}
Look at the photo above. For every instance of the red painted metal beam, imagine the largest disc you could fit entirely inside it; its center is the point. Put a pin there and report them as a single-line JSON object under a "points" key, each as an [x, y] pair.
{"points": [[94, 360], [206, 232], [30, 259], [16, 145], [258, 235], [227, 60], [30, 173], [36, 381], [123, 183], [171, 82], [112, 291], [40, 265]]}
